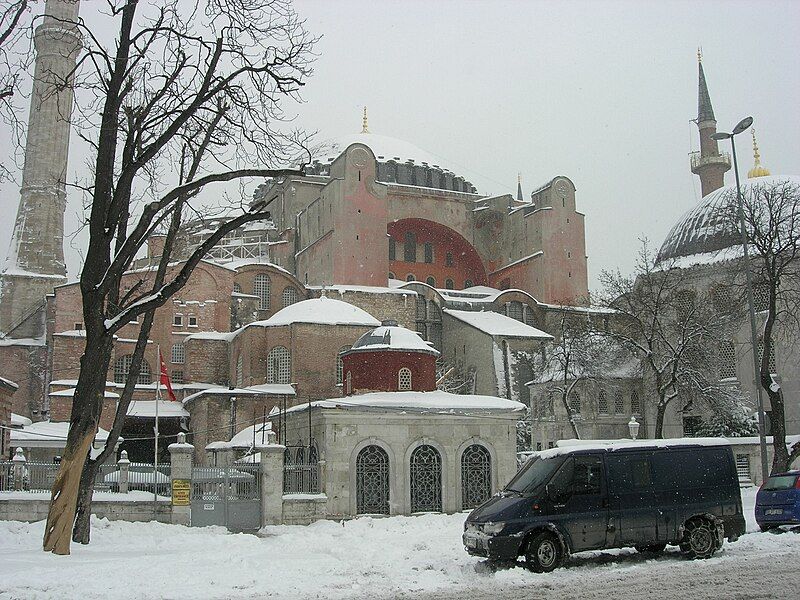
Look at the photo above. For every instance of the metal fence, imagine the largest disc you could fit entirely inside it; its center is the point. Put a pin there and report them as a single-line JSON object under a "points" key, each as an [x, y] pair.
{"points": [[6, 475], [142, 477], [300, 472]]}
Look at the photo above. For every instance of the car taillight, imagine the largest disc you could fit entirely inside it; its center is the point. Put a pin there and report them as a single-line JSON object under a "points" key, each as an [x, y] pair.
{"points": [[797, 484]]}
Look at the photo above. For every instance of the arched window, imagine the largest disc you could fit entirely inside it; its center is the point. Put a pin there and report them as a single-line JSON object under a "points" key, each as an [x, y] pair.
{"points": [[761, 296], [527, 315], [261, 289], [392, 249], [619, 402], [476, 476], [602, 403], [404, 379], [426, 479], [635, 406], [449, 284], [178, 354], [684, 302], [771, 363], [727, 360], [431, 281], [410, 247], [372, 481], [289, 296], [467, 283], [239, 371], [515, 310], [428, 252], [122, 366], [392, 275], [279, 365], [340, 364], [237, 289], [722, 298], [410, 277], [575, 403]]}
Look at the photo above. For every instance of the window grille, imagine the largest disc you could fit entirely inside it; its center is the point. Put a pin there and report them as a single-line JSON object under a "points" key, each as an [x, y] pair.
{"points": [[279, 365], [602, 403], [410, 247], [434, 312], [289, 296], [575, 403], [449, 259], [727, 360], [635, 405], [122, 366], [527, 315], [177, 376], [404, 379], [237, 289], [340, 364], [410, 277], [178, 354], [428, 253], [684, 302], [261, 285], [771, 364], [761, 297], [421, 308], [426, 480], [721, 298], [392, 249], [515, 310], [619, 402], [449, 284], [476, 476], [372, 481]]}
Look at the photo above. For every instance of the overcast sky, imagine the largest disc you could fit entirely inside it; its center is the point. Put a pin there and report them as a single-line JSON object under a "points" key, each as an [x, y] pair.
{"points": [[602, 92]]}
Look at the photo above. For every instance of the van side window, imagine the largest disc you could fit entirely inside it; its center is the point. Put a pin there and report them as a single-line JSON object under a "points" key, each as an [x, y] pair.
{"points": [[588, 472], [640, 473]]}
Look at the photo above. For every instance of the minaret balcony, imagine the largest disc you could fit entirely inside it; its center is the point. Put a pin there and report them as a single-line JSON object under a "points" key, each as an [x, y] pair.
{"points": [[698, 161]]}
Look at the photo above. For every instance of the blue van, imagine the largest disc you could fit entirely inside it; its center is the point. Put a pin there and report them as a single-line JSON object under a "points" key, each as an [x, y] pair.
{"points": [[643, 494], [778, 501]]}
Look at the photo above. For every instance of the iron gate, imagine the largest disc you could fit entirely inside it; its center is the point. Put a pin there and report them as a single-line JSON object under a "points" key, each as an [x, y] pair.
{"points": [[227, 496]]}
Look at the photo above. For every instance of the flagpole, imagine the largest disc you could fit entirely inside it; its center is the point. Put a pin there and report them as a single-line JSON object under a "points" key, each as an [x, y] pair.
{"points": [[155, 454]]}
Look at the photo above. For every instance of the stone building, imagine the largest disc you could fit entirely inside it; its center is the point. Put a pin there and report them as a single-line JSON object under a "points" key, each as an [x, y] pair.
{"points": [[7, 389]]}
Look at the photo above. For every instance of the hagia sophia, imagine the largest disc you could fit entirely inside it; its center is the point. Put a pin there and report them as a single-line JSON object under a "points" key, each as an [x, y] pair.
{"points": [[378, 239]]}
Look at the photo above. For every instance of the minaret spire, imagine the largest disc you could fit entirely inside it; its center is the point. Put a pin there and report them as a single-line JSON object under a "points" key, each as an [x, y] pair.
{"points": [[708, 164], [519, 187], [35, 263], [364, 124], [758, 169]]}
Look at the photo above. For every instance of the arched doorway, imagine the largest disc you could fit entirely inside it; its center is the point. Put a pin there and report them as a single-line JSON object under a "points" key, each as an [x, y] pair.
{"points": [[426, 479], [372, 481], [476, 476]]}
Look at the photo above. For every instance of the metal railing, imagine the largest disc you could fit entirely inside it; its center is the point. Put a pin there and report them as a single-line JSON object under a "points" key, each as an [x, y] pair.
{"points": [[142, 477], [39, 477], [697, 160], [301, 478]]}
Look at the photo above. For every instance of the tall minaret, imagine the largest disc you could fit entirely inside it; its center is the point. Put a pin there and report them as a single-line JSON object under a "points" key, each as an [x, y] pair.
{"points": [[35, 263], [519, 188], [708, 164]]}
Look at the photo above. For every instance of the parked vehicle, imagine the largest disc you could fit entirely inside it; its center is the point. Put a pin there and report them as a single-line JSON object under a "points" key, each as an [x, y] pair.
{"points": [[778, 501], [641, 494]]}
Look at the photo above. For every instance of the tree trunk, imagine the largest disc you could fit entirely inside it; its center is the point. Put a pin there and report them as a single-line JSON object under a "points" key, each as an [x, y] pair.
{"points": [[661, 409], [81, 530]]}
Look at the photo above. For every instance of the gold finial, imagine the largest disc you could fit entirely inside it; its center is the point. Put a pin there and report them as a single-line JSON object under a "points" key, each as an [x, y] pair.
{"points": [[758, 169], [364, 127], [699, 54]]}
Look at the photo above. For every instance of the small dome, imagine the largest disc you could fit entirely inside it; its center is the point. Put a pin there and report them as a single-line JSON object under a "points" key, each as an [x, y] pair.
{"points": [[393, 338], [322, 311], [709, 226], [758, 170]]}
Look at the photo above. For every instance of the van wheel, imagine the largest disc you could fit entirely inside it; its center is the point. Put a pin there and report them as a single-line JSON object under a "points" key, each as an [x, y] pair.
{"points": [[701, 538], [544, 552], [651, 548]]}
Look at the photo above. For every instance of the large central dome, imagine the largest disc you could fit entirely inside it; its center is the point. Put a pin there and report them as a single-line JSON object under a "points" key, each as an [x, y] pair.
{"points": [[711, 225]]}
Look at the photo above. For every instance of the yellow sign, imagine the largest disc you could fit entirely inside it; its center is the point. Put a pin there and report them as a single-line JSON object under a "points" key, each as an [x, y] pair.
{"points": [[181, 489]]}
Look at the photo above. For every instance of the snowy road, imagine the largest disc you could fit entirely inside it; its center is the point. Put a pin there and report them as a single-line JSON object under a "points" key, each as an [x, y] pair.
{"points": [[400, 557]]}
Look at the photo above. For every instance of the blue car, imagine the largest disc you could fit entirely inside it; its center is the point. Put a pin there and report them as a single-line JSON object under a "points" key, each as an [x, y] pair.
{"points": [[778, 501]]}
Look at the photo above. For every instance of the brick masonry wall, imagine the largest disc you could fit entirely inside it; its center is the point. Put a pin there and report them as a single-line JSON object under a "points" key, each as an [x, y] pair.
{"points": [[207, 361], [379, 370], [25, 365]]}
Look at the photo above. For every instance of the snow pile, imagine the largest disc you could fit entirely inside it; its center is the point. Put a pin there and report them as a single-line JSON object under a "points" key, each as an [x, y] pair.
{"points": [[48, 434], [320, 311], [406, 557]]}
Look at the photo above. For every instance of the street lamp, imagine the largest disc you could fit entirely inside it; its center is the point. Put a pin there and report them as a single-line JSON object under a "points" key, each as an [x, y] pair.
{"points": [[743, 125], [633, 427]]}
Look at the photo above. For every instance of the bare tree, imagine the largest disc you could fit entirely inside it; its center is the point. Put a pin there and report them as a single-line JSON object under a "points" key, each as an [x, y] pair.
{"points": [[675, 334], [453, 378], [187, 95], [772, 220], [13, 59]]}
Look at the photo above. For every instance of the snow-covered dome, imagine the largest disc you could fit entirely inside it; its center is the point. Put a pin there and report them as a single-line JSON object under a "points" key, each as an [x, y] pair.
{"points": [[394, 338], [322, 311], [711, 225]]}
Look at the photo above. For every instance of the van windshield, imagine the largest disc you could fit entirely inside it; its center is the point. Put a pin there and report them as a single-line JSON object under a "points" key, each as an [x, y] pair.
{"points": [[782, 482], [535, 473]]}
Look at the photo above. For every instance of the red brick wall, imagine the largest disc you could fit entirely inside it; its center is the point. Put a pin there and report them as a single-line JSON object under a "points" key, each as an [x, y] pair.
{"points": [[25, 366], [378, 371]]}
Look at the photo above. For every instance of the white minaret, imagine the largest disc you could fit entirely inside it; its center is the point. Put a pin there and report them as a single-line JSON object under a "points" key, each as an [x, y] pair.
{"points": [[35, 263]]}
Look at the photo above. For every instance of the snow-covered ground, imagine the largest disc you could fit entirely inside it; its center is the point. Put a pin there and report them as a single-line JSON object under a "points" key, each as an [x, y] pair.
{"points": [[399, 557]]}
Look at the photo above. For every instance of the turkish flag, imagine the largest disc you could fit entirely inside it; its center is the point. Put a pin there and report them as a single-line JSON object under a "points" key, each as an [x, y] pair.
{"points": [[165, 380]]}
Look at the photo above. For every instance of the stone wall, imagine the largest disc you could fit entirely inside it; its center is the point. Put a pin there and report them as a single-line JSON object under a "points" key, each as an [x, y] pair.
{"points": [[303, 509], [25, 506]]}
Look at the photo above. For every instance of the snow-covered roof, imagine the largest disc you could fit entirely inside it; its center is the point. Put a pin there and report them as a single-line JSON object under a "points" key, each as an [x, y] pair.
{"points": [[225, 336], [393, 338], [69, 393], [496, 324], [244, 438], [372, 289], [19, 420], [436, 402], [569, 446], [320, 311], [147, 408], [275, 389], [7, 341], [48, 434]]}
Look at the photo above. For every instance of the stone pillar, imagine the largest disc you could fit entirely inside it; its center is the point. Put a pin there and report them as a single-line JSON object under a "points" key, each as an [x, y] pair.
{"points": [[321, 474], [124, 466], [271, 483], [19, 468], [180, 454]]}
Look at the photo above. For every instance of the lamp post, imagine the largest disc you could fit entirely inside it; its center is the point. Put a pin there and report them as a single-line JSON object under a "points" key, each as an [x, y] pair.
{"points": [[743, 125], [633, 428]]}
